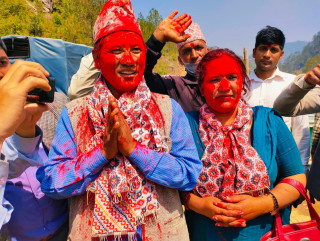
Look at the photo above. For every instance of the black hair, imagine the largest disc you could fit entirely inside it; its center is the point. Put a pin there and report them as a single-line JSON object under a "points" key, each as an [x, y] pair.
{"points": [[270, 35], [2, 45]]}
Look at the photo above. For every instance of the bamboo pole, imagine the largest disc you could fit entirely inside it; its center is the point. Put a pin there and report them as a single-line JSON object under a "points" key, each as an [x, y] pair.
{"points": [[246, 60]]}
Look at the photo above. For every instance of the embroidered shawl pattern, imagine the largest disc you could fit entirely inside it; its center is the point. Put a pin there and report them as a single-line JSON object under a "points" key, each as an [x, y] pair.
{"points": [[230, 164], [123, 196]]}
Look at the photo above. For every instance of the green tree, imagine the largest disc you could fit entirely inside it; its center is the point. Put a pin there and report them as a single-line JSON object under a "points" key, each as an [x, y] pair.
{"points": [[35, 28], [73, 21], [168, 63], [312, 62], [149, 23]]}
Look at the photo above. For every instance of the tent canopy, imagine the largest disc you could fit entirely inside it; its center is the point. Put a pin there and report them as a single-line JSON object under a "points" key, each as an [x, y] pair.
{"points": [[60, 58]]}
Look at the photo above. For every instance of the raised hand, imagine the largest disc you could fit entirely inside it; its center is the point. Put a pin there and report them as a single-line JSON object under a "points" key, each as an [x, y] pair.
{"points": [[170, 29], [110, 139], [313, 76]]}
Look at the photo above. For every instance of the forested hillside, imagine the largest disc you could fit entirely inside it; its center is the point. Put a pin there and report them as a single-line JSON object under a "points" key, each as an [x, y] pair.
{"points": [[293, 47], [306, 60], [73, 21], [168, 64], [70, 20]]}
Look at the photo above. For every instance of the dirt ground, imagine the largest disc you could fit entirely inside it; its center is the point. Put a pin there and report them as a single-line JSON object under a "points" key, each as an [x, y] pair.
{"points": [[301, 213]]}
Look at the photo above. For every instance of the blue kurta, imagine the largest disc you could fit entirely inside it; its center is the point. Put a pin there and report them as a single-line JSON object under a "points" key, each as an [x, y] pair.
{"points": [[66, 174], [277, 148]]}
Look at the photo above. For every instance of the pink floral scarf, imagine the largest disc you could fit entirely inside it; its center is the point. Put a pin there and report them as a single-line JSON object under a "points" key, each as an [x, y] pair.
{"points": [[123, 196], [230, 164]]}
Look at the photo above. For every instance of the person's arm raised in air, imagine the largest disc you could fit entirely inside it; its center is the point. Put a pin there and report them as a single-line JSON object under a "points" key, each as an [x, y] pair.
{"points": [[169, 30]]}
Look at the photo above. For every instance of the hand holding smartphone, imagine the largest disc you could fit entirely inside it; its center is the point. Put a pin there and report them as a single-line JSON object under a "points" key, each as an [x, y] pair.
{"points": [[40, 96]]}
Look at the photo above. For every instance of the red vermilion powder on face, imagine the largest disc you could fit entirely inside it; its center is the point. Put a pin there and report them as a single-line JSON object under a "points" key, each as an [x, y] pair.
{"points": [[222, 85], [122, 59]]}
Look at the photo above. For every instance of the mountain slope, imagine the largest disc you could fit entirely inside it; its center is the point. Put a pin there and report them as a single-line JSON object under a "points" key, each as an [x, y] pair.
{"points": [[293, 47], [296, 61]]}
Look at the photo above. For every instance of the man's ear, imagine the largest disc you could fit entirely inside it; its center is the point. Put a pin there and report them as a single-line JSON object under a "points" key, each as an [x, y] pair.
{"points": [[207, 49], [282, 52], [95, 58], [254, 53]]}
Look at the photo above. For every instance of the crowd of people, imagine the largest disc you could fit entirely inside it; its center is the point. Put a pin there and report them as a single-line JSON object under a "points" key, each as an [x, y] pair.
{"points": [[139, 156]]}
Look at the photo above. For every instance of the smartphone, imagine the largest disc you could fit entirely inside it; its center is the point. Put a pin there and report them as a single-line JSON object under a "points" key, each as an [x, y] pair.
{"points": [[40, 96]]}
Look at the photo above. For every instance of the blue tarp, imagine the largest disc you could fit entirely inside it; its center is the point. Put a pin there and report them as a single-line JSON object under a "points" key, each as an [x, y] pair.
{"points": [[60, 58]]}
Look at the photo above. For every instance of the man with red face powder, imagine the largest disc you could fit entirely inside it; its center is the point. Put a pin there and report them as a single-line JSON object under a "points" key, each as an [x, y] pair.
{"points": [[267, 82], [120, 154], [191, 45]]}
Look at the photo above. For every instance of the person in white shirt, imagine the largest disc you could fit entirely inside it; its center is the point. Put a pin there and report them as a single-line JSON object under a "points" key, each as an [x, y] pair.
{"points": [[267, 82]]}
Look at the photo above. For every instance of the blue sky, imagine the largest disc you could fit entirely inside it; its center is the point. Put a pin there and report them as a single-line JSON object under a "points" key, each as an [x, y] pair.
{"points": [[234, 23]]}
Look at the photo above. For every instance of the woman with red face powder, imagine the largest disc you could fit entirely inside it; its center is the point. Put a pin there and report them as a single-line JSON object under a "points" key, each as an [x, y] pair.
{"points": [[245, 152]]}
